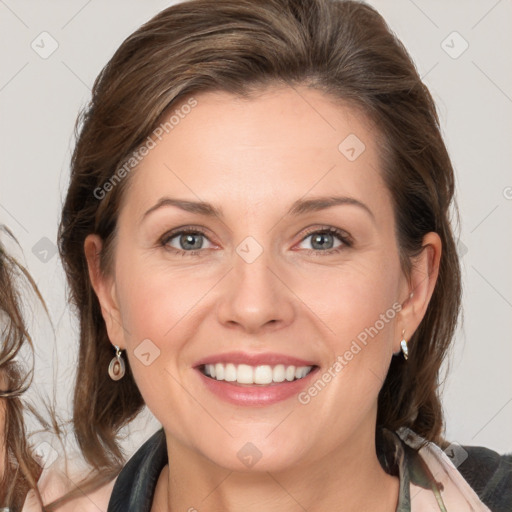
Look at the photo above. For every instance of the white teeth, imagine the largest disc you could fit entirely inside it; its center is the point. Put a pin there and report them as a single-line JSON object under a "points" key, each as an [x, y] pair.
{"points": [[230, 372], [244, 374], [264, 374], [290, 373], [278, 373], [219, 371], [300, 373]]}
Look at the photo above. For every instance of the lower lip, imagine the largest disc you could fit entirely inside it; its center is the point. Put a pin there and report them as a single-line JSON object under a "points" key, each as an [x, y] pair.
{"points": [[256, 395]]}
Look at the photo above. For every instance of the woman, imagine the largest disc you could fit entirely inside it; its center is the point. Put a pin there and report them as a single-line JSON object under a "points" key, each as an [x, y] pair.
{"points": [[26, 480], [291, 352], [19, 471]]}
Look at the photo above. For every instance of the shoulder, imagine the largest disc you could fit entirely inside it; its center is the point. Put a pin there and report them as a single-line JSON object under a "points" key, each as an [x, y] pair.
{"points": [[490, 475], [69, 484], [479, 473], [54, 485]]}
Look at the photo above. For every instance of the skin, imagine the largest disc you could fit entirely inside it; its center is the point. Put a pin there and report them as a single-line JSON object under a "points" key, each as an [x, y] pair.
{"points": [[253, 158], [54, 483]]}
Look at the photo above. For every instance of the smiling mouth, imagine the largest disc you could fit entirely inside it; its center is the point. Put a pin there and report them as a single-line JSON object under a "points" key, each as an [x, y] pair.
{"points": [[261, 375]]}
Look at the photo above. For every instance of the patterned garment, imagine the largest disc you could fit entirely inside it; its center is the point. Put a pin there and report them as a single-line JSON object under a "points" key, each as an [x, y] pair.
{"points": [[429, 481]]}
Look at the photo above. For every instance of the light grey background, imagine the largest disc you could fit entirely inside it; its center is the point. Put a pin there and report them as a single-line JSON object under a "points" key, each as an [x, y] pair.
{"points": [[40, 98]]}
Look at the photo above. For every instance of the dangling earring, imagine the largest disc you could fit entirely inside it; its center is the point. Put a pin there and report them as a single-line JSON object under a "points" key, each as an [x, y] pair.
{"points": [[403, 345], [116, 368]]}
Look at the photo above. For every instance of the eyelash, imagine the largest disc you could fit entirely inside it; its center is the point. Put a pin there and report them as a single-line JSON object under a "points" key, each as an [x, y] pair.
{"points": [[181, 231], [341, 235]]}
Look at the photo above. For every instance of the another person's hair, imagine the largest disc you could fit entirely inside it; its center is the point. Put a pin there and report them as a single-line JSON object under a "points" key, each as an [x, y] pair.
{"points": [[341, 48], [21, 471]]}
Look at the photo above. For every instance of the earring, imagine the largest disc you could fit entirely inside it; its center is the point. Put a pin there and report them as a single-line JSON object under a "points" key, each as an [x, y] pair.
{"points": [[117, 368], [403, 346]]}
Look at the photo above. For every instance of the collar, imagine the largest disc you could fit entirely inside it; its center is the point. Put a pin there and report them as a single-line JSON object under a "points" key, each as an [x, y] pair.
{"points": [[404, 454]]}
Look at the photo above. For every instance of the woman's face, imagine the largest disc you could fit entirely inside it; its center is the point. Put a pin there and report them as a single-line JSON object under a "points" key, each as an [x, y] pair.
{"points": [[281, 270]]}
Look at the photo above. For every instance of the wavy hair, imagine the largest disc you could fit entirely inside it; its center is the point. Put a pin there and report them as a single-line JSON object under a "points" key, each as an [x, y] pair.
{"points": [[20, 470]]}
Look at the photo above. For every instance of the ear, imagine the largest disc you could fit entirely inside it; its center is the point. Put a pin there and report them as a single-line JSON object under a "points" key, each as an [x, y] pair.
{"points": [[105, 289], [419, 287]]}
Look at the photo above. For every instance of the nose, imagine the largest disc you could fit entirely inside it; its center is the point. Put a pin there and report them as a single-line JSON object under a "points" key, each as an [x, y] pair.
{"points": [[255, 296]]}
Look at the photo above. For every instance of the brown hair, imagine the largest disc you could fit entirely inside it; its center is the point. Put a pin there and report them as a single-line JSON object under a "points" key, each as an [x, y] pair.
{"points": [[20, 472], [343, 48]]}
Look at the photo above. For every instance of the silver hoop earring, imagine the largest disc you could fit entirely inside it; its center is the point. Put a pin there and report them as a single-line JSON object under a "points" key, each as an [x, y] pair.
{"points": [[404, 347], [117, 368]]}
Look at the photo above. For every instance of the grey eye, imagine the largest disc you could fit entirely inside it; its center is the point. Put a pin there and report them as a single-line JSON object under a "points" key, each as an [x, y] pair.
{"points": [[187, 241], [323, 240]]}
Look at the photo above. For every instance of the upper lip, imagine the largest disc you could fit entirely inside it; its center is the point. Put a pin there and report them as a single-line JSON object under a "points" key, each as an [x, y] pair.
{"points": [[267, 358]]}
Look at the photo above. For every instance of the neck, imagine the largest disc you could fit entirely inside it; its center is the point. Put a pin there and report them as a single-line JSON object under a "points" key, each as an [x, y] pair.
{"points": [[350, 478]]}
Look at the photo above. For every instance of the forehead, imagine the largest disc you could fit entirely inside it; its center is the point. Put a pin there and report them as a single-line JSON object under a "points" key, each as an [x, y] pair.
{"points": [[267, 149]]}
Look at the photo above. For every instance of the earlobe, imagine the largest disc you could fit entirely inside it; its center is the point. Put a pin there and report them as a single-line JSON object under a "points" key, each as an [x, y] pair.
{"points": [[104, 287], [421, 284]]}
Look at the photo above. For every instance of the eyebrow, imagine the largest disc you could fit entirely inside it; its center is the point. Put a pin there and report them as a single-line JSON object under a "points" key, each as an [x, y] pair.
{"points": [[299, 207]]}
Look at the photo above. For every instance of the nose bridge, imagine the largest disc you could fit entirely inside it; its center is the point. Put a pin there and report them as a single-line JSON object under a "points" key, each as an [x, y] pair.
{"points": [[255, 296]]}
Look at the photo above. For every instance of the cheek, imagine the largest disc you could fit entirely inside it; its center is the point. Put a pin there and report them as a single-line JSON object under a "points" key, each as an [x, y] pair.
{"points": [[154, 301], [157, 313], [358, 306], [358, 297], [161, 313], [358, 309]]}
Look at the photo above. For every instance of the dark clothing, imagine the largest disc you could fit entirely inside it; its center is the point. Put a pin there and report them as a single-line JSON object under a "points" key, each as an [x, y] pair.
{"points": [[487, 472]]}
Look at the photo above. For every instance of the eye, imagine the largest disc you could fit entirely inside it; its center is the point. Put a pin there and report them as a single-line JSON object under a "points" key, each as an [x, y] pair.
{"points": [[190, 241], [323, 240], [187, 242]]}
